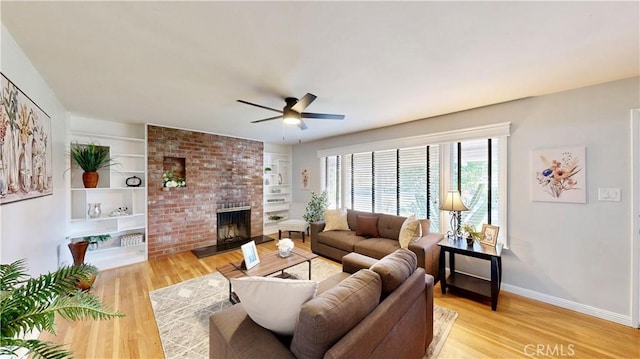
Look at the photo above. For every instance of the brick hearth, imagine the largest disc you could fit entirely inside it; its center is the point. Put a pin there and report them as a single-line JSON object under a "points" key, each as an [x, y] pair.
{"points": [[218, 169]]}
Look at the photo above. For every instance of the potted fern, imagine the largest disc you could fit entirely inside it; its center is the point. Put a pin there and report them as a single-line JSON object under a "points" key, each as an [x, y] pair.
{"points": [[28, 304], [91, 158]]}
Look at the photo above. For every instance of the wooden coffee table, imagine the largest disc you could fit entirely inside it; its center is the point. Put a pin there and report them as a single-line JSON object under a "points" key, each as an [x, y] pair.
{"points": [[270, 263]]}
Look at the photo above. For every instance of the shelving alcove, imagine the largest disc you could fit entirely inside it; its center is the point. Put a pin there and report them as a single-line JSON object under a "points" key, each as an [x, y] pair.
{"points": [[277, 190], [128, 230]]}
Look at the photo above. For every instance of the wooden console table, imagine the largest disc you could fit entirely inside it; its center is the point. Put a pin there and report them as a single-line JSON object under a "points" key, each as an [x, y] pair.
{"points": [[488, 289]]}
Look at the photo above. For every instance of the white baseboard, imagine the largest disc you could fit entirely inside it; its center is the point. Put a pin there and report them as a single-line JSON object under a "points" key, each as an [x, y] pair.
{"points": [[567, 304], [563, 303]]}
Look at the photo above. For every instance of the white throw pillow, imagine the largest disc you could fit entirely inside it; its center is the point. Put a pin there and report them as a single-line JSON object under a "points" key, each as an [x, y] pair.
{"points": [[409, 231], [274, 303], [335, 220]]}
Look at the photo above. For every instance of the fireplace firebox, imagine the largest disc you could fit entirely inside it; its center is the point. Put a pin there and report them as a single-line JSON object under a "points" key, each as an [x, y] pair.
{"points": [[233, 224]]}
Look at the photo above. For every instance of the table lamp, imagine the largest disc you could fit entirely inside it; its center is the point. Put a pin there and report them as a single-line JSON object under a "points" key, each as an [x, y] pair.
{"points": [[453, 204]]}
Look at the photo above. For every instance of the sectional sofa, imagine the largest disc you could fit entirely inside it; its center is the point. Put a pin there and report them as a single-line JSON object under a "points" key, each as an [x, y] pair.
{"points": [[335, 244], [372, 309]]}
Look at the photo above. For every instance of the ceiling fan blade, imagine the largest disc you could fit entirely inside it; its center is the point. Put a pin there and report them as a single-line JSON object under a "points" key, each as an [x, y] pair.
{"points": [[256, 105], [322, 116], [302, 125], [305, 101], [267, 119]]}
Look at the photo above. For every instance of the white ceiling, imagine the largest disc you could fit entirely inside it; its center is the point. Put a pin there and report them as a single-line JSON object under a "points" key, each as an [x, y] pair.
{"points": [[184, 64]]}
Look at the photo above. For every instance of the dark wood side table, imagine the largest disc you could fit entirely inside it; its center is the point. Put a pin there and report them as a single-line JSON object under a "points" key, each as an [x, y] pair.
{"points": [[489, 289]]}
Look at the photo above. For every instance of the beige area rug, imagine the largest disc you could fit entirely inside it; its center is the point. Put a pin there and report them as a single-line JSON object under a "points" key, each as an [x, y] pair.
{"points": [[182, 311]]}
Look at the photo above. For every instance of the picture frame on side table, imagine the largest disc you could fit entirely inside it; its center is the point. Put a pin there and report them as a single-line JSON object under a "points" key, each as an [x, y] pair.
{"points": [[489, 235], [250, 253]]}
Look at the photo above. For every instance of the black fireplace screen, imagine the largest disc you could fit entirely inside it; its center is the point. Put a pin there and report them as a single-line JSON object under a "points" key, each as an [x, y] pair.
{"points": [[233, 225]]}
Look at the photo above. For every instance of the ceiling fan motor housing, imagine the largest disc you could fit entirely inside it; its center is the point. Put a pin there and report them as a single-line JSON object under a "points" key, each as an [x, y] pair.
{"points": [[290, 102]]}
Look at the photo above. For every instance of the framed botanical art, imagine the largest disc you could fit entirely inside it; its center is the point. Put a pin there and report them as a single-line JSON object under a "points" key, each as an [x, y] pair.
{"points": [[304, 179], [25, 146], [489, 235], [559, 175]]}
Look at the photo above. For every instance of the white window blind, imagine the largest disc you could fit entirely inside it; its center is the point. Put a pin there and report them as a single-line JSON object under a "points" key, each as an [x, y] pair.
{"points": [[413, 181], [433, 183], [332, 181], [385, 179], [362, 181]]}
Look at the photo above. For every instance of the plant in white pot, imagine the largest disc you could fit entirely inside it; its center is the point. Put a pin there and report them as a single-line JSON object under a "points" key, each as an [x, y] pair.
{"points": [[315, 207]]}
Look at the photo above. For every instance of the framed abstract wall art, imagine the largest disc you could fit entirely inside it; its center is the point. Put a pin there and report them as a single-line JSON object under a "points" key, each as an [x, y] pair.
{"points": [[559, 175], [25, 146]]}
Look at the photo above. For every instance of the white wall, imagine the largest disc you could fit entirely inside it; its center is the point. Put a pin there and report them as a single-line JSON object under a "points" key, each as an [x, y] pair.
{"points": [[573, 255], [34, 228]]}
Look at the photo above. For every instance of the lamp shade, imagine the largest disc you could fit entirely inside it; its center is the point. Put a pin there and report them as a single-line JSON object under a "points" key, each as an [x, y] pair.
{"points": [[453, 202]]}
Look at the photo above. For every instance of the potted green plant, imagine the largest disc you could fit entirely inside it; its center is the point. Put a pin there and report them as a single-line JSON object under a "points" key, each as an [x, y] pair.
{"points": [[91, 158], [472, 233], [95, 239], [315, 207], [28, 304]]}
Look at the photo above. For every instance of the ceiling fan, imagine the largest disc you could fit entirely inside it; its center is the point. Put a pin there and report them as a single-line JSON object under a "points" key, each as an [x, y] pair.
{"points": [[292, 113]]}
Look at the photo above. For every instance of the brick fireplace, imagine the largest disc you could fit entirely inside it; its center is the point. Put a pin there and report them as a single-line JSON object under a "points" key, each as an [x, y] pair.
{"points": [[217, 170]]}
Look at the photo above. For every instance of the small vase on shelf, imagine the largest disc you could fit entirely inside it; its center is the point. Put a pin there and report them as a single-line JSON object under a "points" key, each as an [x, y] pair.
{"points": [[94, 210]]}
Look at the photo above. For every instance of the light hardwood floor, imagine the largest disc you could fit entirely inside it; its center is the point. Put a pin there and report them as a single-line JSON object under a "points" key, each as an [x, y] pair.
{"points": [[519, 328]]}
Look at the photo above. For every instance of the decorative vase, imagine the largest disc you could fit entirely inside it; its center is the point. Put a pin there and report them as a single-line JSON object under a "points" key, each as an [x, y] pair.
{"points": [[25, 171], [284, 253], [90, 179], [3, 181], [93, 246], [94, 210], [469, 241], [78, 251]]}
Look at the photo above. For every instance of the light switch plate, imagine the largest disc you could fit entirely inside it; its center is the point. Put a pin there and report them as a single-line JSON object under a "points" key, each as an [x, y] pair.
{"points": [[609, 194]]}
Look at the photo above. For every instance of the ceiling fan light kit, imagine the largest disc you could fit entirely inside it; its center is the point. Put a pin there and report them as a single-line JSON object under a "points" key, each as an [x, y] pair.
{"points": [[290, 117], [292, 114]]}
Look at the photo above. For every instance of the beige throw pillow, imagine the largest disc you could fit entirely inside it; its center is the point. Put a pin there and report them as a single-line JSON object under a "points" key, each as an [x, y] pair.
{"points": [[409, 231], [335, 220], [274, 303]]}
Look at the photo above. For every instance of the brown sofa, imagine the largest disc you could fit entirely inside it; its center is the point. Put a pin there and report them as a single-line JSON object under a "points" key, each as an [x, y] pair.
{"points": [[337, 244], [382, 312]]}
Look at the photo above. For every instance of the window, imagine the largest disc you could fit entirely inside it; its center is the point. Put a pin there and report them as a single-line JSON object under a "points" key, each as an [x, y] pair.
{"points": [[332, 181], [399, 181], [385, 181], [362, 182], [411, 180]]}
